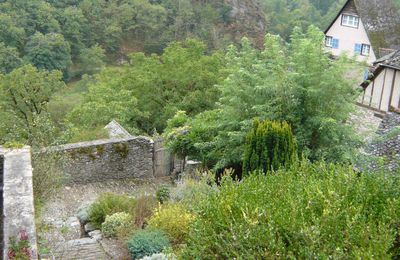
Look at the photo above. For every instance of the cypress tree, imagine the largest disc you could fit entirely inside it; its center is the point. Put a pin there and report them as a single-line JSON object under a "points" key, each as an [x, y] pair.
{"points": [[269, 146]]}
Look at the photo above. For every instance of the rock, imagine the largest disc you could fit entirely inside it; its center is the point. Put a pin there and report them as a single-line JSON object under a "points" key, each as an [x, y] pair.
{"points": [[57, 224], [96, 235], [73, 222], [89, 228]]}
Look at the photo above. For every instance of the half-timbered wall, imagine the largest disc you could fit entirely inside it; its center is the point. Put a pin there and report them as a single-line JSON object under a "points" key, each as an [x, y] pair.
{"points": [[384, 91]]}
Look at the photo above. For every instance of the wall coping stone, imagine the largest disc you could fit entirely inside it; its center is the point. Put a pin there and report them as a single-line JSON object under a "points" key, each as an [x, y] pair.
{"points": [[72, 146], [18, 205]]}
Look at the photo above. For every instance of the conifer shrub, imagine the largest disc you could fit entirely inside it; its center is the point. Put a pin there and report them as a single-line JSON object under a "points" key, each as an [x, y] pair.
{"points": [[147, 242], [309, 211], [116, 223], [269, 146], [108, 204], [174, 220]]}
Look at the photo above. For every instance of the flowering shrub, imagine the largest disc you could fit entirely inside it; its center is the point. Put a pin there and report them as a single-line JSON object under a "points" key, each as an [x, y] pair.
{"points": [[116, 222], [20, 248], [173, 219]]}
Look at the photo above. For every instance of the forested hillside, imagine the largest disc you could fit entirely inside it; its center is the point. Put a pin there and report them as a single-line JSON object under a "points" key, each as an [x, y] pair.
{"points": [[61, 34], [61, 40]]}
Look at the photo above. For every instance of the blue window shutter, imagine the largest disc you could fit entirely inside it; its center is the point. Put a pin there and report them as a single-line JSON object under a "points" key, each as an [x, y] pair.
{"points": [[335, 43], [366, 74], [357, 48]]}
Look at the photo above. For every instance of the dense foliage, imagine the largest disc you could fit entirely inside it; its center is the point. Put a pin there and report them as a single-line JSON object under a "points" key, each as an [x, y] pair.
{"points": [[165, 219], [115, 223], [147, 242], [24, 95], [269, 146], [148, 91], [309, 211], [107, 205], [297, 83]]}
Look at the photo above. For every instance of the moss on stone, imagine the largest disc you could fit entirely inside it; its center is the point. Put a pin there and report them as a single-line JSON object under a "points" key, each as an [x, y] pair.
{"points": [[122, 149], [89, 151], [100, 149]]}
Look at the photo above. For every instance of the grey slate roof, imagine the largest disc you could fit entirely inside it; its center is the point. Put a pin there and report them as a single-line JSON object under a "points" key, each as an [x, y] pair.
{"points": [[374, 25], [390, 60]]}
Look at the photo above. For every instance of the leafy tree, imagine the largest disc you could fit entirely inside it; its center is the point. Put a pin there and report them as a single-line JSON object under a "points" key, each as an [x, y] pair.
{"points": [[32, 16], [10, 33], [48, 52], [298, 84], [74, 27], [25, 93], [182, 78], [269, 146], [104, 102], [92, 59], [9, 58]]}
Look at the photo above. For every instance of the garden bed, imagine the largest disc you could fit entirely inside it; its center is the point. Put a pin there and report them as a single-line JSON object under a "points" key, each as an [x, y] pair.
{"points": [[59, 228]]}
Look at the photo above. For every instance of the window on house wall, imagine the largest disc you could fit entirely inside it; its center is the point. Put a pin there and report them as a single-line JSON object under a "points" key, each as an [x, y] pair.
{"points": [[362, 49], [365, 49], [328, 41], [350, 20]]}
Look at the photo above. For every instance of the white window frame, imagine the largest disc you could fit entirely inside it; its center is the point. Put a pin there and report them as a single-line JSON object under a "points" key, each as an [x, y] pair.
{"points": [[350, 20], [364, 48], [328, 41]]}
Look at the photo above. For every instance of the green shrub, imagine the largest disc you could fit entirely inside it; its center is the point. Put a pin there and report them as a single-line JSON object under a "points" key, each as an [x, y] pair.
{"points": [[147, 242], [173, 219], [163, 194], [269, 146], [108, 204], [116, 222], [144, 208], [310, 211], [190, 191]]}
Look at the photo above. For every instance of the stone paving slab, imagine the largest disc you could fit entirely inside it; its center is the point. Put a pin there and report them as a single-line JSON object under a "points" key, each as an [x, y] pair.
{"points": [[80, 249]]}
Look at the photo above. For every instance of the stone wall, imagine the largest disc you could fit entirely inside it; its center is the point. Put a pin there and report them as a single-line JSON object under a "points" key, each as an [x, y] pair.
{"points": [[18, 207], [111, 159], [1, 204], [387, 143]]}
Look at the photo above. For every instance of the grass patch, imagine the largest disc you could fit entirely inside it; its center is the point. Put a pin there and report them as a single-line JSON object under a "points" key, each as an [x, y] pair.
{"points": [[66, 99]]}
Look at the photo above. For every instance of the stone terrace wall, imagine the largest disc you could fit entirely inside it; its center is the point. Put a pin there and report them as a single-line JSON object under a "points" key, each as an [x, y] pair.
{"points": [[387, 144], [111, 159], [18, 209]]}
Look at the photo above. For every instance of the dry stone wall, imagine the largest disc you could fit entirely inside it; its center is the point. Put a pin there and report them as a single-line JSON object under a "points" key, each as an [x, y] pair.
{"points": [[387, 145], [112, 159]]}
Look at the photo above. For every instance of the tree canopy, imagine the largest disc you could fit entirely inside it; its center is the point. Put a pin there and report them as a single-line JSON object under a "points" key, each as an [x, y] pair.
{"points": [[297, 83]]}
